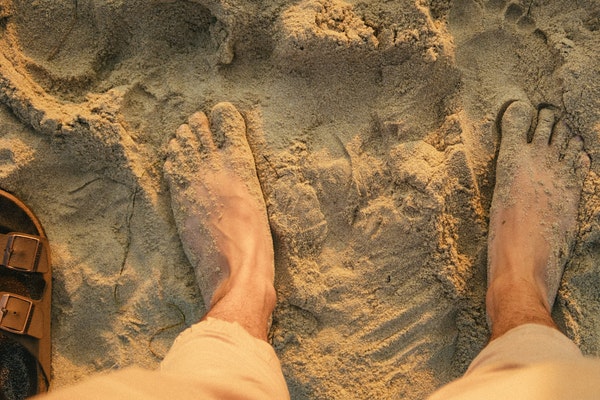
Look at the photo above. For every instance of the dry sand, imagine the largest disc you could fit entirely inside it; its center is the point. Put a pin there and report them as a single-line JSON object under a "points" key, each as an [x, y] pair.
{"points": [[379, 126]]}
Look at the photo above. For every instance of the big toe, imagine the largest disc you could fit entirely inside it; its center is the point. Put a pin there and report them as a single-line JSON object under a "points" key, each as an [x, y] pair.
{"points": [[516, 122], [229, 130], [228, 126]]}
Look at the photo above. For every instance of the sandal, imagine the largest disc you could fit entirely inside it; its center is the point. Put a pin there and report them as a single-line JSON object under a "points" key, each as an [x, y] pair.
{"points": [[25, 301]]}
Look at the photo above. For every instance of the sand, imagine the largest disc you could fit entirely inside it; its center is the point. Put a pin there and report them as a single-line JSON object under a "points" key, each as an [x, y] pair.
{"points": [[375, 131]]}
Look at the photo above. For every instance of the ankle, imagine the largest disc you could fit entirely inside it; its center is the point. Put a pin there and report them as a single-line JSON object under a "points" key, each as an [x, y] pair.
{"points": [[245, 285], [511, 302], [249, 305]]}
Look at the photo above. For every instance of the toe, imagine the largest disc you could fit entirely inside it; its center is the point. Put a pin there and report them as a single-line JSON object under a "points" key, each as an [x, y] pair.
{"points": [[198, 124], [172, 150], [516, 122], [576, 155], [575, 145], [559, 138], [543, 130], [228, 126], [181, 155], [574, 148], [583, 165], [229, 129]]}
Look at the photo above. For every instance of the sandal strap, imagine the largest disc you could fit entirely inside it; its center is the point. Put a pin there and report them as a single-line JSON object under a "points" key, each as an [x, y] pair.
{"points": [[21, 315], [23, 252]]}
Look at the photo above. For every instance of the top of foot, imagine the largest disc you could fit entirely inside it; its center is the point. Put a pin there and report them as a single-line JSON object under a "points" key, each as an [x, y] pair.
{"points": [[217, 202], [533, 218]]}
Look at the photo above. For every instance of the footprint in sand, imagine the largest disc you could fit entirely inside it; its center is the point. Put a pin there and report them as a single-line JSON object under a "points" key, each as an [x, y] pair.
{"points": [[469, 17], [502, 54], [71, 48]]}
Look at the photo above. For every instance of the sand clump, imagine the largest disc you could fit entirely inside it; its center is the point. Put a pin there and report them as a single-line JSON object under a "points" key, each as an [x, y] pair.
{"points": [[374, 127]]}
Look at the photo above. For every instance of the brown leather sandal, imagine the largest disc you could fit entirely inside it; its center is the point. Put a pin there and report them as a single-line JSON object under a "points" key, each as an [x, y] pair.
{"points": [[25, 300]]}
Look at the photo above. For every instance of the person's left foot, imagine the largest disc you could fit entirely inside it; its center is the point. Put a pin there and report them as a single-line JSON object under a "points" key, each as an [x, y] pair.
{"points": [[218, 205]]}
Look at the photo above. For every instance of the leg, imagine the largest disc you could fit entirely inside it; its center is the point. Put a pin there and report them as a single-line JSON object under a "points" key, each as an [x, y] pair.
{"points": [[222, 219], [532, 218], [532, 231]]}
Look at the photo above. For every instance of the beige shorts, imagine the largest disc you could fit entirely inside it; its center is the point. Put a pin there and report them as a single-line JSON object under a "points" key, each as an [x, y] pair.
{"points": [[213, 359], [528, 362]]}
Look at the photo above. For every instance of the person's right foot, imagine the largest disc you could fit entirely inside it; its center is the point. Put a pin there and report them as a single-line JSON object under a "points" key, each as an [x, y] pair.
{"points": [[533, 217]]}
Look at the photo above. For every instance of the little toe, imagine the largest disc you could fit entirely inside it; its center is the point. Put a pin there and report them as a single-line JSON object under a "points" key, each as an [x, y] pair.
{"points": [[198, 124], [545, 125], [584, 165], [516, 122], [576, 155], [575, 145]]}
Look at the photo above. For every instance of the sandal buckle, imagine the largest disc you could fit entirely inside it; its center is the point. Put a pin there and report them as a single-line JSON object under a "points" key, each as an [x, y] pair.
{"points": [[22, 252], [16, 311]]}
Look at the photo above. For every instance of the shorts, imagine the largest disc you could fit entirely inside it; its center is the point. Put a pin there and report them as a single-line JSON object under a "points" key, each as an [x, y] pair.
{"points": [[213, 359], [528, 362]]}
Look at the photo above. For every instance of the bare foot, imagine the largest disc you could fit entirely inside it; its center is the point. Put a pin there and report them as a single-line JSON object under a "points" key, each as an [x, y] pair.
{"points": [[219, 210], [533, 218]]}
